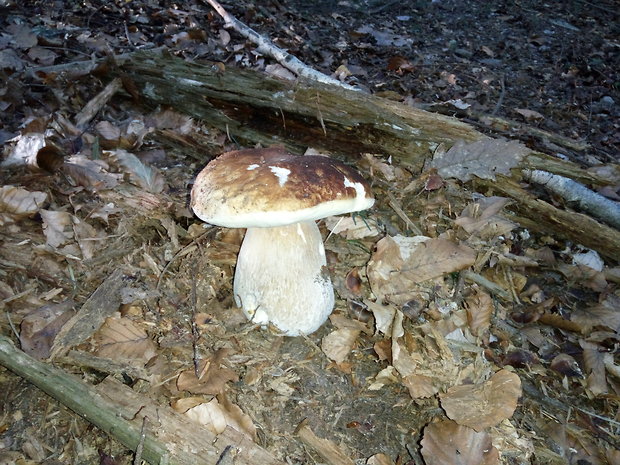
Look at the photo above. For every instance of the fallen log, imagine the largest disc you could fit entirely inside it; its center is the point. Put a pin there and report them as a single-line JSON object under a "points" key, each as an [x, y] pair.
{"points": [[254, 108], [165, 436]]}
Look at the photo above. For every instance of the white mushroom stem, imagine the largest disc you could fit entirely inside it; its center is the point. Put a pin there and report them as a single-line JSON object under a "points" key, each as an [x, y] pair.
{"points": [[281, 278]]}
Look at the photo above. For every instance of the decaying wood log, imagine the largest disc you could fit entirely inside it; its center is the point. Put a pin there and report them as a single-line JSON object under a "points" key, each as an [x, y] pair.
{"points": [[255, 108], [118, 410]]}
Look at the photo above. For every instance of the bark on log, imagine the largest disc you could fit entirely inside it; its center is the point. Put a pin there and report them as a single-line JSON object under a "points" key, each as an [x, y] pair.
{"points": [[255, 108]]}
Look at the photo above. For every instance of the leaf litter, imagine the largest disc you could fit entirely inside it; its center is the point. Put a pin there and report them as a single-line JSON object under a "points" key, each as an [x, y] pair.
{"points": [[439, 334]]}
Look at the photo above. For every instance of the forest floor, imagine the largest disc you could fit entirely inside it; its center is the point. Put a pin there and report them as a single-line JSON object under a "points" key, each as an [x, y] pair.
{"points": [[526, 375]]}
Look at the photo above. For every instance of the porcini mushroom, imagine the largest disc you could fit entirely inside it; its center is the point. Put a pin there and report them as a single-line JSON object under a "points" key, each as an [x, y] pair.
{"points": [[281, 276]]}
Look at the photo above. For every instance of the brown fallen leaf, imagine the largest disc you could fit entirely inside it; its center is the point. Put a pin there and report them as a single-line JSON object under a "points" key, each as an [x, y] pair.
{"points": [[399, 262], [480, 406], [57, 227], [91, 174], [25, 149], [39, 328], [400, 64], [352, 228], [594, 362], [88, 239], [482, 218], [529, 115], [16, 203], [216, 414], [479, 308], [123, 339], [605, 314], [338, 344], [484, 158], [109, 133], [140, 174], [420, 386], [212, 375], [447, 443], [379, 459]]}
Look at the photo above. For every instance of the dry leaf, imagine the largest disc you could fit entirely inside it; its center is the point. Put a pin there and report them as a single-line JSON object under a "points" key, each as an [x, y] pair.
{"points": [[594, 363], [401, 261], [39, 328], [108, 132], [88, 239], [420, 386], [352, 227], [447, 443], [43, 56], [123, 339], [384, 377], [605, 314], [91, 174], [399, 64], [57, 227], [529, 115], [216, 415], [23, 37], [10, 60], [481, 218], [383, 37], [16, 203], [170, 119], [25, 150], [212, 375], [484, 158], [379, 459], [479, 308], [144, 176], [480, 406], [384, 315], [338, 344]]}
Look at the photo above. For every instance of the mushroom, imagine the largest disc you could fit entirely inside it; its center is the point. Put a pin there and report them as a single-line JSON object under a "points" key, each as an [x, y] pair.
{"points": [[281, 275]]}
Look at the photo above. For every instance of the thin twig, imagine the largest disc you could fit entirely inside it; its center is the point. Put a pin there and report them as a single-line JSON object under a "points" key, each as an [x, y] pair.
{"points": [[403, 216], [500, 100], [138, 457], [267, 47]]}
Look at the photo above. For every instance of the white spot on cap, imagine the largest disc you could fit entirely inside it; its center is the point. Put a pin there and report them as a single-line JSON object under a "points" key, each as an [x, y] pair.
{"points": [[281, 174], [252, 167], [360, 192]]}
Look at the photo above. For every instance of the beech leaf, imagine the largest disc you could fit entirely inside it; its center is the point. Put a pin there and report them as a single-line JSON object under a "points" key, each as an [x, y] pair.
{"points": [[484, 158], [140, 174], [480, 406], [447, 443]]}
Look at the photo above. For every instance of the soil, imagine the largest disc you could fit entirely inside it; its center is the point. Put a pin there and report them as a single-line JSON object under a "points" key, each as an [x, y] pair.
{"points": [[546, 73]]}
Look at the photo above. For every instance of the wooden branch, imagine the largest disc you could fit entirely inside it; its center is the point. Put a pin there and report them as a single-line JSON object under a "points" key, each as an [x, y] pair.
{"points": [[328, 451], [266, 47], [601, 207], [120, 411], [101, 304], [94, 105], [538, 215]]}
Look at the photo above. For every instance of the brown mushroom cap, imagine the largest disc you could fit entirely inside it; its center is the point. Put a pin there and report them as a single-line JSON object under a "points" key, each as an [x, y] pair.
{"points": [[271, 187]]}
